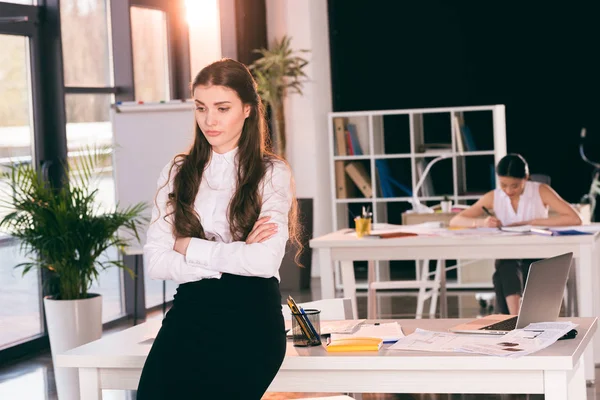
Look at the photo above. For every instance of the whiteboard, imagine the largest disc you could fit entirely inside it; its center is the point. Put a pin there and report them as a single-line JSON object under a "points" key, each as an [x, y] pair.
{"points": [[145, 138]]}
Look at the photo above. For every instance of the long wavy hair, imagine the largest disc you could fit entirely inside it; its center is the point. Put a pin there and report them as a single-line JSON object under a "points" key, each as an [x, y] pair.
{"points": [[254, 159]]}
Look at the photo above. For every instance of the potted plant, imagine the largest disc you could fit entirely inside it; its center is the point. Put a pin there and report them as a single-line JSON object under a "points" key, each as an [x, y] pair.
{"points": [[278, 72], [64, 231]]}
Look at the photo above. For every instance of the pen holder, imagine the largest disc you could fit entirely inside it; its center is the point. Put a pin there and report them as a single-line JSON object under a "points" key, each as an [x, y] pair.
{"points": [[303, 333], [446, 206], [362, 226]]}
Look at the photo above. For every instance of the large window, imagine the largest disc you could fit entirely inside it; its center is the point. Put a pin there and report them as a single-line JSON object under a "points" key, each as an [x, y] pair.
{"points": [[89, 92], [19, 296], [86, 46], [150, 54]]}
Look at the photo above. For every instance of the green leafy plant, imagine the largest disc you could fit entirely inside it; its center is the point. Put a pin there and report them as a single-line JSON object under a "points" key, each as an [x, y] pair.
{"points": [[278, 72], [65, 230]]}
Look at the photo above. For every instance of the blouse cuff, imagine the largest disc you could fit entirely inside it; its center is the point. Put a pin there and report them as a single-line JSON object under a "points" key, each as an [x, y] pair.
{"points": [[199, 252]]}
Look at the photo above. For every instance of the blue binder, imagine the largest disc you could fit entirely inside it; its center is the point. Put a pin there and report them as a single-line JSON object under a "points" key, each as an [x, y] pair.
{"points": [[388, 182]]}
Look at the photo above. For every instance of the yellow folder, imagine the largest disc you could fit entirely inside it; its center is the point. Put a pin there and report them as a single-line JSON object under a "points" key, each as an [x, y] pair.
{"points": [[355, 344]]}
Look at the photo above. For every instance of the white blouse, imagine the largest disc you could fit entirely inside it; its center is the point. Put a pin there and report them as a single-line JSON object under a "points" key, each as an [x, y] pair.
{"points": [[530, 205], [220, 254]]}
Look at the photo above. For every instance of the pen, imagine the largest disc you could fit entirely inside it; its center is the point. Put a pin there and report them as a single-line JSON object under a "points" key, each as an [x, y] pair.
{"points": [[302, 319], [485, 210], [310, 325]]}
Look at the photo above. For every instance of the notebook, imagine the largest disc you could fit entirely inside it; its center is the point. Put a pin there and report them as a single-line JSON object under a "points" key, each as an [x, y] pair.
{"points": [[354, 344], [545, 231]]}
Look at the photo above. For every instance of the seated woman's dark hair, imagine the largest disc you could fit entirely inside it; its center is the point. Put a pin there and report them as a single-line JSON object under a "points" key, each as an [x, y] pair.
{"points": [[513, 166]]}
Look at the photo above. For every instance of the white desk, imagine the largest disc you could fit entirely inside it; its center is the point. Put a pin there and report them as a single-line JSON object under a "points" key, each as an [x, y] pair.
{"points": [[345, 247], [115, 362]]}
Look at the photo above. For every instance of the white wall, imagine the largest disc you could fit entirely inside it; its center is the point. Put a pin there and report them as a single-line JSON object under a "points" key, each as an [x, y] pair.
{"points": [[306, 116], [205, 33]]}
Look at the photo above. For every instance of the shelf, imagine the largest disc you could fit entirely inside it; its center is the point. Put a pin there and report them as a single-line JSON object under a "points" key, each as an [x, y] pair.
{"points": [[386, 156], [433, 154], [354, 200], [397, 146], [350, 158], [391, 199], [477, 153], [470, 197]]}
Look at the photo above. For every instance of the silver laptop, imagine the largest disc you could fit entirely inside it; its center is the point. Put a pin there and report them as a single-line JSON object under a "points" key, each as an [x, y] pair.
{"points": [[541, 301]]}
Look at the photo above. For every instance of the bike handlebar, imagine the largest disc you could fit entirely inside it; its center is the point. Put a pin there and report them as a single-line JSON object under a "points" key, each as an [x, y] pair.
{"points": [[582, 135]]}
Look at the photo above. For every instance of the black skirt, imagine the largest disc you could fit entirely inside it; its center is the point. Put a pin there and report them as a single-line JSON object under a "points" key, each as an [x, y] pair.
{"points": [[222, 339]]}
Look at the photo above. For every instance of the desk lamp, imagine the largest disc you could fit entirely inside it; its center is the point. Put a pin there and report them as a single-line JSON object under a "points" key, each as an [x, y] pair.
{"points": [[417, 206]]}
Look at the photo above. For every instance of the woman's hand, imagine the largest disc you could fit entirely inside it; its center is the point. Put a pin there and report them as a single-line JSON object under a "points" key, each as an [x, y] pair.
{"points": [[261, 231], [181, 245], [492, 222]]}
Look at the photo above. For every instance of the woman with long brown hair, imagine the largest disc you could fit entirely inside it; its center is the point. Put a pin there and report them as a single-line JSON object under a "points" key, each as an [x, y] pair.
{"points": [[223, 214]]}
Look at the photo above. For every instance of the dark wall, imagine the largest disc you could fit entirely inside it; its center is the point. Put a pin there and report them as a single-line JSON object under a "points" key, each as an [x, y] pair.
{"points": [[541, 62]]}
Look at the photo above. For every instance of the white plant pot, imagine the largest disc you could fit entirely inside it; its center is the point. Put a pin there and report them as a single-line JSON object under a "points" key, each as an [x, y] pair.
{"points": [[71, 323]]}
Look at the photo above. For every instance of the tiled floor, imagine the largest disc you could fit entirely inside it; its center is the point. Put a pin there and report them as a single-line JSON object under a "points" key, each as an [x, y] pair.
{"points": [[33, 378]]}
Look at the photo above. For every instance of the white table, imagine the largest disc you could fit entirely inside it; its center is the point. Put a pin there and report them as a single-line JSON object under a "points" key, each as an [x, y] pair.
{"points": [[345, 247], [115, 362]]}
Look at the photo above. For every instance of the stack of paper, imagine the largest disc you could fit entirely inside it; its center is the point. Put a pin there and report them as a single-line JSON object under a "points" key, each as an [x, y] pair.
{"points": [[388, 332], [520, 342], [516, 343]]}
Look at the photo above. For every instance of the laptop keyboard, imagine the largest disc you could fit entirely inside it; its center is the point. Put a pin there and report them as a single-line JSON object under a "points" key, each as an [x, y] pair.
{"points": [[506, 325]]}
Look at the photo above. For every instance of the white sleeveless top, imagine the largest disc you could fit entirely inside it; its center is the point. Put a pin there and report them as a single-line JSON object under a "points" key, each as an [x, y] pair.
{"points": [[530, 205]]}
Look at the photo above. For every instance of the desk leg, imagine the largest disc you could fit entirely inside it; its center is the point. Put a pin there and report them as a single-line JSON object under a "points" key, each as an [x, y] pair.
{"points": [[585, 300], [326, 268], [89, 384], [443, 292], [135, 290], [371, 293], [565, 385], [349, 282]]}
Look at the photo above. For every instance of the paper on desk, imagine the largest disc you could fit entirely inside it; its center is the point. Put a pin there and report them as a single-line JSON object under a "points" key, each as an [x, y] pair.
{"points": [[520, 342], [342, 327], [389, 332], [424, 229], [393, 227], [517, 343], [477, 232], [423, 340]]}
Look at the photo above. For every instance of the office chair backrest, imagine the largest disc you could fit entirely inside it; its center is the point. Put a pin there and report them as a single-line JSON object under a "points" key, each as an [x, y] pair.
{"points": [[331, 309], [541, 178]]}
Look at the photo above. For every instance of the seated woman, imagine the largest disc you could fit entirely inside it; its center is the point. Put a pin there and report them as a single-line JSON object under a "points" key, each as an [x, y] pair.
{"points": [[518, 201]]}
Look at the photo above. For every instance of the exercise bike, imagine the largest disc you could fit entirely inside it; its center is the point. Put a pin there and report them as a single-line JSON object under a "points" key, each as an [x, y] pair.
{"points": [[591, 197]]}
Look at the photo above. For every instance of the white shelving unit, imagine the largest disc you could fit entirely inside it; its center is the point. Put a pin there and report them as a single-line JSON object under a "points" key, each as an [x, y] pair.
{"points": [[472, 138]]}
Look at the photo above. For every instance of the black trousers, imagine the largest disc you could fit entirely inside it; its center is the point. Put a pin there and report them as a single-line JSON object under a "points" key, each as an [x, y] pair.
{"points": [[222, 339], [509, 278]]}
